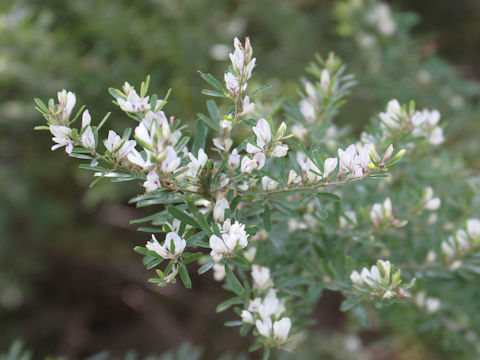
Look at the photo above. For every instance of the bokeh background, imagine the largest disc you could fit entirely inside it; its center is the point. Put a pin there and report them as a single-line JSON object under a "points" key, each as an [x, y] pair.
{"points": [[70, 284]]}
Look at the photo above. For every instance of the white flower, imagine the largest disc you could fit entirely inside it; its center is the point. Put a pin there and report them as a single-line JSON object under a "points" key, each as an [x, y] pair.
{"points": [[247, 107], [425, 124], [238, 57], [388, 294], [308, 111], [394, 117], [376, 214], [136, 158], [226, 125], [381, 17], [281, 328], [143, 135], [250, 253], [219, 272], [325, 80], [436, 136], [66, 102], [293, 178], [264, 327], [171, 249], [363, 157], [196, 163], [153, 182], [269, 184], [263, 133], [218, 246], [386, 267], [429, 202], [247, 317], [118, 147], [279, 151], [271, 306], [356, 278], [255, 305], [234, 159], [86, 119], [299, 131], [232, 83], [473, 229], [241, 58], [329, 166], [381, 213], [347, 158], [348, 219], [448, 248], [461, 239], [261, 277], [62, 136], [310, 172], [248, 165], [219, 210], [88, 139], [432, 305], [233, 237], [223, 144], [171, 161], [134, 103]]}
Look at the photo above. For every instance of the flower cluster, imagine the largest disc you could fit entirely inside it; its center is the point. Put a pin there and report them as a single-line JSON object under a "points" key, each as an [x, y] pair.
{"points": [[132, 102], [381, 18], [420, 123], [429, 304], [428, 201], [382, 215], [243, 65], [460, 244], [172, 248], [381, 281], [267, 314], [233, 238]]}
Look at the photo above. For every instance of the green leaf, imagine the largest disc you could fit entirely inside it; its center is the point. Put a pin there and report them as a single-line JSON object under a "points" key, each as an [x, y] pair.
{"points": [[328, 196], [260, 89], [41, 105], [183, 217], [212, 81], [208, 121], [140, 250], [117, 94], [362, 316], [349, 303], [103, 121], [244, 329], [228, 303], [149, 230], [255, 346], [267, 221], [185, 277], [42, 127], [213, 111], [266, 353], [191, 258], [233, 281], [204, 268], [200, 135], [212, 93], [233, 323]]}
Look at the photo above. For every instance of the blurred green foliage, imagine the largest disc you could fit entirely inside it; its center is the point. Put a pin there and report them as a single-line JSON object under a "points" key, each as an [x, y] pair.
{"points": [[87, 46]]}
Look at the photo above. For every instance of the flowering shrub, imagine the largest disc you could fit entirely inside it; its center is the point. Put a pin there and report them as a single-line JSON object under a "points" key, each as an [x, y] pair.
{"points": [[268, 199]]}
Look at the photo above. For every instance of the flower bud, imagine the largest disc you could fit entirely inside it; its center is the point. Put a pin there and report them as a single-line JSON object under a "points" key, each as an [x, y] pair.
{"points": [[325, 80]]}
